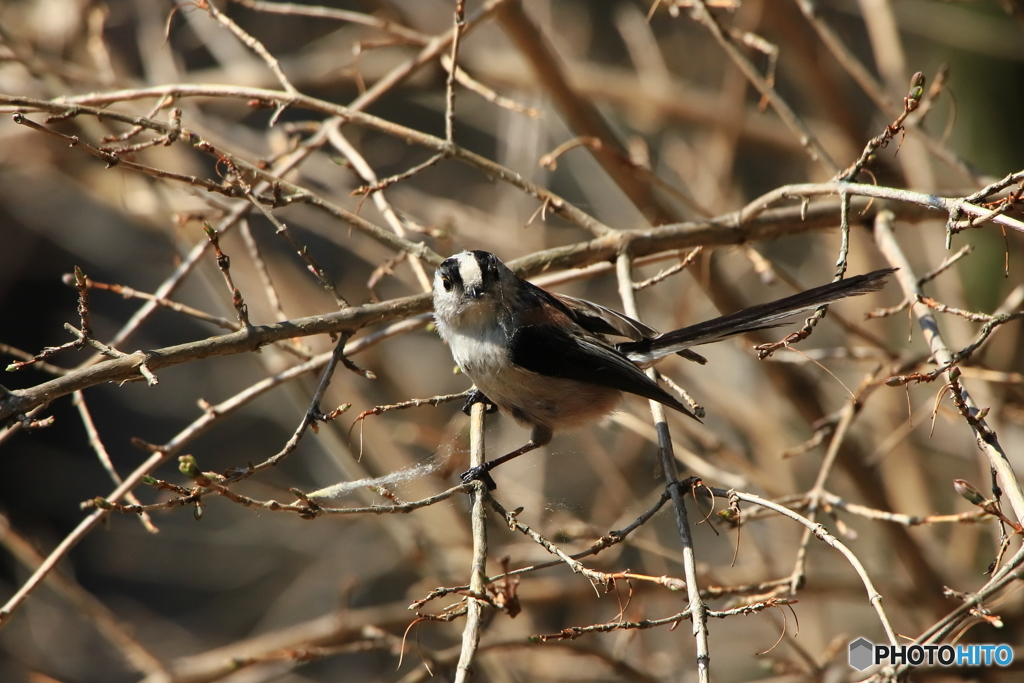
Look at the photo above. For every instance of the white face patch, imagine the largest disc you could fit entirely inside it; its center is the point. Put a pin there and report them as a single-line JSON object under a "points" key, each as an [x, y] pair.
{"points": [[469, 269], [458, 283]]}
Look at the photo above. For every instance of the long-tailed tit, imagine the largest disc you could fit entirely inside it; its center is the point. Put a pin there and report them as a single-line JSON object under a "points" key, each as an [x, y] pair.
{"points": [[545, 359]]}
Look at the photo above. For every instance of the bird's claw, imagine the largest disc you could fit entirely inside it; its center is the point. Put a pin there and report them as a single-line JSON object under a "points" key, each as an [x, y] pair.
{"points": [[477, 396], [479, 473]]}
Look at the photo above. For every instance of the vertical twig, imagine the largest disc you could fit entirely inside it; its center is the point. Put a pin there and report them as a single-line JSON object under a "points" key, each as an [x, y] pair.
{"points": [[261, 267], [224, 264], [449, 114], [847, 414], [698, 610], [478, 572], [430, 51]]}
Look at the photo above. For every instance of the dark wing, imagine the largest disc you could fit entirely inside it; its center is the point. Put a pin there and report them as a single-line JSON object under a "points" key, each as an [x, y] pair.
{"points": [[600, 320], [551, 351]]}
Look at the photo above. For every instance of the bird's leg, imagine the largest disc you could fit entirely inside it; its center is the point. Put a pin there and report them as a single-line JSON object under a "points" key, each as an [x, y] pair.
{"points": [[477, 396], [541, 436]]}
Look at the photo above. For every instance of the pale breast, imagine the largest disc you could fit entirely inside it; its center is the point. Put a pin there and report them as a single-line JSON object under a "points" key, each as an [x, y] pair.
{"points": [[531, 398], [481, 349]]}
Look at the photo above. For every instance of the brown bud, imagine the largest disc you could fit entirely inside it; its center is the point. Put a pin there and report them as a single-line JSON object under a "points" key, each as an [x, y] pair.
{"points": [[968, 492]]}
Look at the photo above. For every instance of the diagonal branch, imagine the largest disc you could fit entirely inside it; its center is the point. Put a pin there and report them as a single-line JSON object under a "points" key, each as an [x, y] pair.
{"points": [[986, 438]]}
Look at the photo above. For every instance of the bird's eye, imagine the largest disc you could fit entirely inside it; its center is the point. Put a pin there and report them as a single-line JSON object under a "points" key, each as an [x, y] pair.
{"points": [[447, 284]]}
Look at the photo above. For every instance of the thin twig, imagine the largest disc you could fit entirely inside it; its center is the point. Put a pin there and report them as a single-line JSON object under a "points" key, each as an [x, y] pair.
{"points": [[838, 435], [449, 110], [471, 84], [702, 15], [897, 518], [295, 9], [106, 622], [874, 597], [478, 569], [261, 268], [924, 279], [1008, 573], [138, 360], [670, 271], [582, 114], [697, 609], [101, 452], [949, 205], [366, 172], [130, 293], [610, 539], [910, 104], [573, 632], [325, 280], [257, 47], [985, 437], [312, 415], [161, 454], [597, 578], [224, 265]]}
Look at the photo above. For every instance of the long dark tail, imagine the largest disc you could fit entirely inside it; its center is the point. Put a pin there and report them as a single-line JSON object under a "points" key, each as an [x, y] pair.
{"points": [[762, 316]]}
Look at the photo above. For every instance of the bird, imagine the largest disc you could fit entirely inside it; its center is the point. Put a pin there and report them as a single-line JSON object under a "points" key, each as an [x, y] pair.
{"points": [[547, 359]]}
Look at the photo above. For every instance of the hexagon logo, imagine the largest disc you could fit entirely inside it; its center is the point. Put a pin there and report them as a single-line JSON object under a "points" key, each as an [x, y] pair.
{"points": [[861, 654]]}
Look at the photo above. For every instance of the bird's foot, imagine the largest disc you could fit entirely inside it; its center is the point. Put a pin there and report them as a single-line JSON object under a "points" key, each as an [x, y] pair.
{"points": [[479, 473], [477, 396]]}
